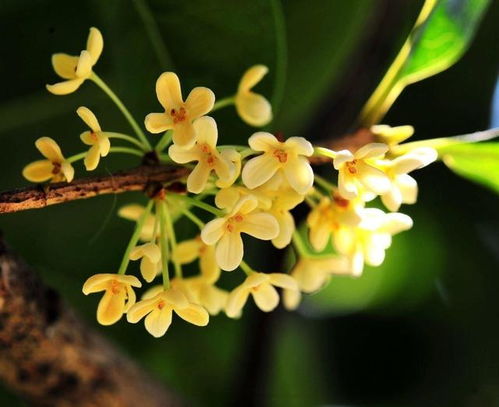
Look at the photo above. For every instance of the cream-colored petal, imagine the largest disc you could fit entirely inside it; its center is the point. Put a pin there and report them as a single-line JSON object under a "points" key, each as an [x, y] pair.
{"points": [[97, 282], [258, 170], [234, 158], [413, 160], [187, 251], [396, 223], [256, 279], [229, 251], [111, 307], [89, 118], [168, 91], [66, 87], [158, 321], [140, 309], [263, 226], [346, 185], [92, 158], [195, 314], [236, 300], [152, 252], [357, 263], [213, 231], [68, 171], [254, 109], [182, 156], [206, 131], [266, 297], [251, 77], [374, 255], [345, 240], [371, 150], [283, 280], [223, 168], [319, 236], [392, 135], [408, 188], [158, 122], [104, 144], [127, 279], [197, 179], [286, 229], [38, 171], [131, 212], [88, 138], [84, 67], [341, 158], [263, 141], [245, 205], [199, 102], [153, 292], [95, 44], [176, 298], [227, 198], [213, 299], [49, 149], [373, 179], [184, 134], [65, 65], [299, 174], [300, 146], [392, 199], [291, 299], [208, 265]]}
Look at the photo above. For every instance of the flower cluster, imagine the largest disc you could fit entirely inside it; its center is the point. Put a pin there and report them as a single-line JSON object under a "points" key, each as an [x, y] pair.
{"points": [[245, 190]]}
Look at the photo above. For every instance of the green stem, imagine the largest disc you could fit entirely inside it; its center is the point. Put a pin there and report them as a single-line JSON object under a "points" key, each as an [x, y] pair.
{"points": [[246, 268], [202, 205], [125, 137], [192, 217], [247, 152], [281, 54], [223, 103], [233, 147], [126, 150], [163, 243], [299, 244], [310, 202], [324, 183], [173, 240], [76, 157], [135, 238], [140, 134], [164, 141], [324, 152]]}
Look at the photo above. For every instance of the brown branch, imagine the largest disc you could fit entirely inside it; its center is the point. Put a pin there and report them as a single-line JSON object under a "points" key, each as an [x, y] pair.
{"points": [[51, 358], [136, 179]]}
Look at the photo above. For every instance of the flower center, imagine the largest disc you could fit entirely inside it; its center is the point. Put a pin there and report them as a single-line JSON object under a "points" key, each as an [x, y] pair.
{"points": [[233, 221], [115, 287], [340, 201], [281, 155], [209, 157], [56, 168], [178, 115], [161, 305], [93, 136], [351, 166]]}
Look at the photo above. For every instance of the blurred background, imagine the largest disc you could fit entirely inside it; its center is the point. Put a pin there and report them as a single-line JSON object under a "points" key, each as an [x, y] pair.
{"points": [[421, 330]]}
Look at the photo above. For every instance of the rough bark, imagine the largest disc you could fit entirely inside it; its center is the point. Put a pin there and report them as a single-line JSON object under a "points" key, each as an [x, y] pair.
{"points": [[51, 358]]}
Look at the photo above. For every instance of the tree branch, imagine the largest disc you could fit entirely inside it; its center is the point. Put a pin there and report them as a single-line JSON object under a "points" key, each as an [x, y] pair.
{"points": [[52, 358]]}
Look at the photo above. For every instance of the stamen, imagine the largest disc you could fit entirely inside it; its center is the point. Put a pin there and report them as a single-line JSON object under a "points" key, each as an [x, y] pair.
{"points": [[281, 155]]}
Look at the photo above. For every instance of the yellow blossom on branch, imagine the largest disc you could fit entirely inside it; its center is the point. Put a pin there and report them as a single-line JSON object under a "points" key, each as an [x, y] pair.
{"points": [[205, 152], [199, 290], [392, 135], [96, 138], [133, 212], [252, 107], [178, 115], [189, 250], [288, 157], [157, 307], [150, 265], [261, 287], [118, 297], [55, 168], [76, 69]]}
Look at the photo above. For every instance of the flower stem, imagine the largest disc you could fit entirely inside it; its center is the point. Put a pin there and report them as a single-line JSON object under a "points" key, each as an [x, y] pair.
{"points": [[325, 152], [299, 244], [324, 183], [125, 137], [247, 152], [202, 205], [135, 238], [192, 217], [246, 268], [140, 134], [173, 240], [223, 103], [163, 242], [164, 141], [126, 150], [76, 157]]}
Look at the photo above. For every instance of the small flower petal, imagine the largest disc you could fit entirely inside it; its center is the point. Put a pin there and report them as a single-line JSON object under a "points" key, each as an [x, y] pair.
{"points": [[259, 170], [199, 102], [229, 251], [89, 118], [195, 314], [66, 87], [65, 65], [95, 44], [158, 122]]}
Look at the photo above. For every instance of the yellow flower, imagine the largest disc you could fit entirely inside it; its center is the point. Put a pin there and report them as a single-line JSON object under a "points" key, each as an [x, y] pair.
{"points": [[96, 138], [253, 108], [357, 174], [76, 69], [226, 198], [288, 157], [392, 135], [118, 296], [225, 232], [133, 212], [233, 157], [328, 216], [199, 290], [150, 265], [311, 275], [55, 168], [205, 152], [178, 115], [189, 250], [157, 308], [367, 242], [261, 287]]}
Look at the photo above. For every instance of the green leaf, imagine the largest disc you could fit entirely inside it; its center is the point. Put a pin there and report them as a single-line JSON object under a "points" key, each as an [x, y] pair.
{"points": [[441, 35], [479, 162]]}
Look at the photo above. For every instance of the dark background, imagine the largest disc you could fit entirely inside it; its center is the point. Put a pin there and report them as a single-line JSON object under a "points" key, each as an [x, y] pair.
{"points": [[421, 330]]}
